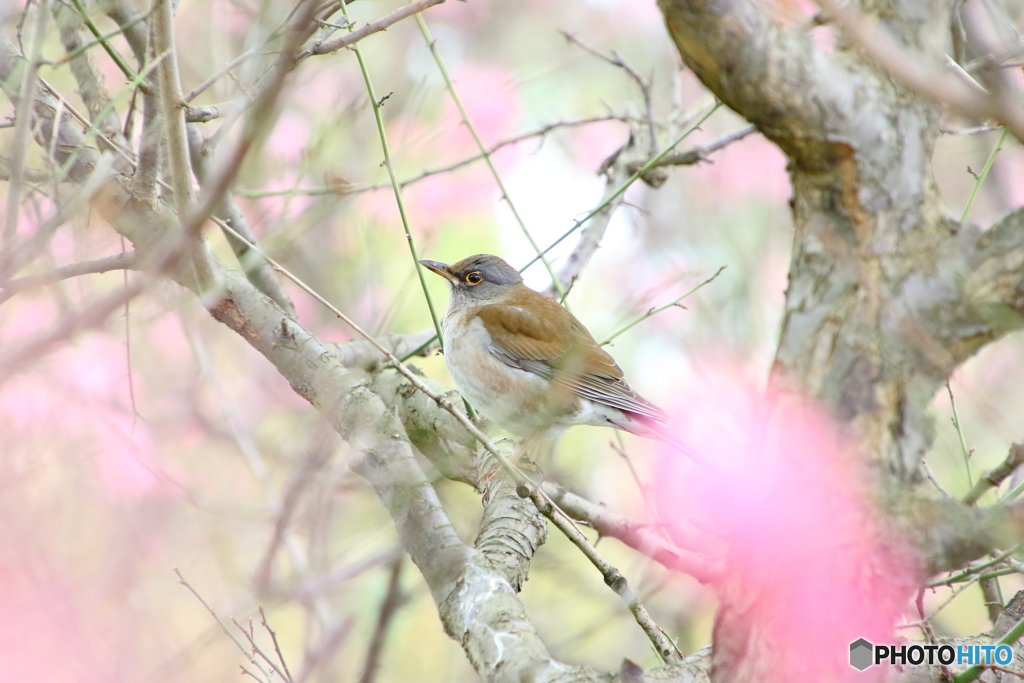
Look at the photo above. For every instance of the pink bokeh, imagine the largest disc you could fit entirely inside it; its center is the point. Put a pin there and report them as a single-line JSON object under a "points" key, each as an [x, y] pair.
{"points": [[491, 98], [807, 569], [79, 398], [751, 168]]}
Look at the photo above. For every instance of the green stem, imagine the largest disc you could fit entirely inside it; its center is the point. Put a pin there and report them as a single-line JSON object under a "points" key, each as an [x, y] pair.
{"points": [[391, 175], [626, 185], [972, 572], [432, 46], [1011, 637], [655, 311], [1016, 491], [114, 54], [984, 172], [135, 83], [102, 40], [960, 434]]}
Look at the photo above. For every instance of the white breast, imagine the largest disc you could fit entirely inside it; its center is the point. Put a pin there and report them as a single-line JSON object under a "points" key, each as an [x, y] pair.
{"points": [[512, 399]]}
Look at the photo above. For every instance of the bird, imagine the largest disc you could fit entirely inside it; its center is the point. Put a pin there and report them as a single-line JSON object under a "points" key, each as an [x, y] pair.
{"points": [[529, 365]]}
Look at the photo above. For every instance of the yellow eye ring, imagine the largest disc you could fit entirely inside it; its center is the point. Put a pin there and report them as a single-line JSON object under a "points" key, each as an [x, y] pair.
{"points": [[474, 278]]}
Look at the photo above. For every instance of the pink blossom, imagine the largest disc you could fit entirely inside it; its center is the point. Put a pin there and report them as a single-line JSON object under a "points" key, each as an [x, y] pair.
{"points": [[807, 569]]}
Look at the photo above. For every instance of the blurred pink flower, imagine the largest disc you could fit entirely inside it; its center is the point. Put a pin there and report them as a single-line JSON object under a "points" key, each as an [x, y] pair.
{"points": [[807, 569], [595, 142], [40, 618], [752, 167], [491, 97], [79, 396]]}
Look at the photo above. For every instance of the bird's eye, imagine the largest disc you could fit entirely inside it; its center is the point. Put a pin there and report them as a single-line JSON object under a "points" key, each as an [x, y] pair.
{"points": [[474, 278]]}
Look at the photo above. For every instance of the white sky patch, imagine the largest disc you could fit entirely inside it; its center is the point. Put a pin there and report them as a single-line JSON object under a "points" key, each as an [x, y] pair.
{"points": [[550, 192]]}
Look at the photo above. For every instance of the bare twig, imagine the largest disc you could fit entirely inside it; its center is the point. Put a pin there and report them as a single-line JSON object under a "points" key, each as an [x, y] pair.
{"points": [[255, 649], [935, 480], [313, 587], [393, 600], [399, 202], [994, 477], [976, 130], [700, 153], [450, 85], [223, 627], [277, 648], [318, 47], [644, 84], [201, 88], [123, 261], [633, 534], [170, 99], [22, 128], [619, 191], [335, 44], [960, 435], [659, 309], [346, 190]]}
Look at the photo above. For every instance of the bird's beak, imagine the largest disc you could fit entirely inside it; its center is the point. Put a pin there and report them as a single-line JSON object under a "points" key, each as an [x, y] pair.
{"points": [[441, 269]]}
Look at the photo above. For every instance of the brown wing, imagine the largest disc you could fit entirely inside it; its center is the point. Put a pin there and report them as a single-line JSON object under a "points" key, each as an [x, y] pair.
{"points": [[534, 333]]}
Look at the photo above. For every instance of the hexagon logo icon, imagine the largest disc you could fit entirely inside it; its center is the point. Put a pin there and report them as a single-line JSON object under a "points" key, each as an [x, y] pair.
{"points": [[860, 654]]}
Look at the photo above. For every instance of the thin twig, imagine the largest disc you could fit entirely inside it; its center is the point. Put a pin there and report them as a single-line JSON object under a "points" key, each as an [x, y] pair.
{"points": [[960, 435], [659, 309], [984, 174], [972, 571], [22, 128], [335, 44], [128, 344], [976, 130], [994, 477], [123, 261], [277, 648], [317, 47], [255, 649], [201, 88], [935, 480], [700, 153], [626, 185], [644, 84], [336, 190], [391, 170], [223, 627], [393, 600], [114, 54], [633, 534], [450, 86], [169, 86]]}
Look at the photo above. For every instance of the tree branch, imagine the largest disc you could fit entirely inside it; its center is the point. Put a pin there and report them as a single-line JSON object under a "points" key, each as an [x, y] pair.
{"points": [[123, 261], [634, 534]]}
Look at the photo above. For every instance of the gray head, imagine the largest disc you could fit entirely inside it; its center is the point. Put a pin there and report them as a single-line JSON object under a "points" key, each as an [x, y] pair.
{"points": [[476, 279]]}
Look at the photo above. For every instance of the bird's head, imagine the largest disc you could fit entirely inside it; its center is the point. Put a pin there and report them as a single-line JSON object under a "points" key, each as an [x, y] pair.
{"points": [[477, 279]]}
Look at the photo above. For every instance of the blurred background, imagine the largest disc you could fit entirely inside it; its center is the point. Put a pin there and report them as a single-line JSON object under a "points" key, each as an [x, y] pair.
{"points": [[162, 440]]}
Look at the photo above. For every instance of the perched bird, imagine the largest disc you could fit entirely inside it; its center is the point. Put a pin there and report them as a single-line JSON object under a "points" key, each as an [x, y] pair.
{"points": [[526, 363]]}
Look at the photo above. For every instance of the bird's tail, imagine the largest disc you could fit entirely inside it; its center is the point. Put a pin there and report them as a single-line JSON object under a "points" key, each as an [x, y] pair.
{"points": [[661, 431]]}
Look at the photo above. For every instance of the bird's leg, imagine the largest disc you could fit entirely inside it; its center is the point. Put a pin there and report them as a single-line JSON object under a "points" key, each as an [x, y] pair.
{"points": [[527, 443]]}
